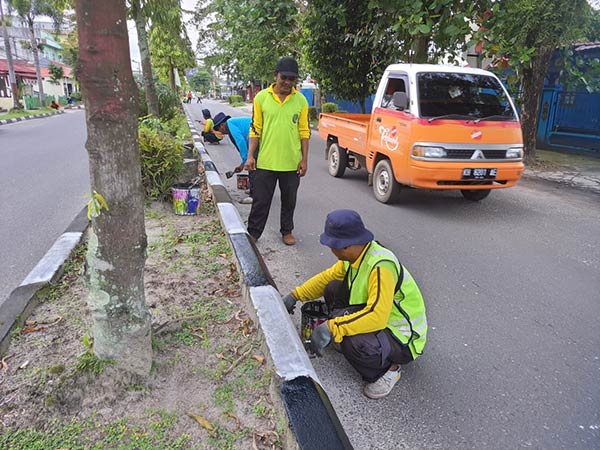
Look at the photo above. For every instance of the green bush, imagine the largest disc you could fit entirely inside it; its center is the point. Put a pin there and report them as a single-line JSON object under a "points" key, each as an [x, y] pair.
{"points": [[161, 156], [76, 96], [313, 114], [329, 107], [235, 99], [168, 101]]}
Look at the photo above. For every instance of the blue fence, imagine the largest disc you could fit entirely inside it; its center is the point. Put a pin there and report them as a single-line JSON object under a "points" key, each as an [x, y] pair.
{"points": [[569, 121]]}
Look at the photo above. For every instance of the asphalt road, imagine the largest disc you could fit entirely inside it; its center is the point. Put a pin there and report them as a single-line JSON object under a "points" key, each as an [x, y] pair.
{"points": [[512, 291], [44, 177]]}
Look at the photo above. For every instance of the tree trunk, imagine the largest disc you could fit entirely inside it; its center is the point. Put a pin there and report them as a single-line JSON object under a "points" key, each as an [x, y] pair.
{"points": [[149, 88], [14, 89], [116, 253], [172, 79], [421, 45], [36, 61], [533, 86]]}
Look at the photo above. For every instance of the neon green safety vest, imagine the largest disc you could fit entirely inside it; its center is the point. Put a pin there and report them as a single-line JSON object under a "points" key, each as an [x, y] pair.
{"points": [[407, 320]]}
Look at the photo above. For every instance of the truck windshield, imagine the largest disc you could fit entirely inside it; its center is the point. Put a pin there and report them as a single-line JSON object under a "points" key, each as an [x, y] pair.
{"points": [[463, 96]]}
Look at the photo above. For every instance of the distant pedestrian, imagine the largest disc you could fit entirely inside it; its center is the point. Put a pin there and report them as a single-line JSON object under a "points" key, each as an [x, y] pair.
{"points": [[189, 96], [55, 105], [238, 130], [198, 99], [280, 125]]}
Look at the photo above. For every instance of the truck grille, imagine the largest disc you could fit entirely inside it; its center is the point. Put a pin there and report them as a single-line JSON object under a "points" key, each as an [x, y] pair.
{"points": [[468, 154]]}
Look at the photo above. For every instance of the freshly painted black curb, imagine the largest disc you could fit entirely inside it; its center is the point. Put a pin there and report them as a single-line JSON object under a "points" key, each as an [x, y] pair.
{"points": [[312, 417], [254, 269]]}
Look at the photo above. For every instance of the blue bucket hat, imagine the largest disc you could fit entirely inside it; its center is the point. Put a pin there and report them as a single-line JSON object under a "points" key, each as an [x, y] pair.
{"points": [[206, 113], [344, 227], [220, 118]]}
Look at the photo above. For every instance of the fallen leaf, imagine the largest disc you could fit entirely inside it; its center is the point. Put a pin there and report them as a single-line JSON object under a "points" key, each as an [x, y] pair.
{"points": [[209, 427], [30, 323], [25, 364], [32, 329], [3, 362], [260, 359]]}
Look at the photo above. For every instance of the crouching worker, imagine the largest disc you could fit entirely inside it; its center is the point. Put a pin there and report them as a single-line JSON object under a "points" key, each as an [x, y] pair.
{"points": [[376, 311], [209, 134]]}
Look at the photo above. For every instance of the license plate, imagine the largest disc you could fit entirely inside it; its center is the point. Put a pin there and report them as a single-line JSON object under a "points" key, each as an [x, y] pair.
{"points": [[479, 174]]}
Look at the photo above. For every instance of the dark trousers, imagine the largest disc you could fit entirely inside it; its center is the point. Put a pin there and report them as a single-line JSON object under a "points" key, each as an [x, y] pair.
{"points": [[371, 354], [263, 189], [210, 137]]}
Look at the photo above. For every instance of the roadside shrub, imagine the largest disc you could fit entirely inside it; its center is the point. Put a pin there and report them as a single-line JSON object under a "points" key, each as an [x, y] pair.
{"points": [[329, 107], [76, 96], [161, 156], [313, 114], [235, 100], [168, 101]]}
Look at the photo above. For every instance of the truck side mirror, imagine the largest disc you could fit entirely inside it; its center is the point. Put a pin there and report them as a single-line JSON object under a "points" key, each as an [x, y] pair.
{"points": [[400, 100]]}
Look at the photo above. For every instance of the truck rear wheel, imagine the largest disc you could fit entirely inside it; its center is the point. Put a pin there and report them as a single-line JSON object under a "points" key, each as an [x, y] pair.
{"points": [[385, 186], [337, 160], [475, 196]]}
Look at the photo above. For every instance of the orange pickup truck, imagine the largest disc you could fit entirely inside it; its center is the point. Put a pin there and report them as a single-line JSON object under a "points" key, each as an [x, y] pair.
{"points": [[431, 127]]}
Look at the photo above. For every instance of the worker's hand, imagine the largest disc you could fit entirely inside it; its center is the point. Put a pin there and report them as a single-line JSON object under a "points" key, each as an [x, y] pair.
{"points": [[290, 303], [302, 168], [250, 164], [320, 338], [239, 168]]}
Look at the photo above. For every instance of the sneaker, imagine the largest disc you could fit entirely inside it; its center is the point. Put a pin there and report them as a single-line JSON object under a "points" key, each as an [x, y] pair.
{"points": [[246, 201], [384, 385], [288, 239]]}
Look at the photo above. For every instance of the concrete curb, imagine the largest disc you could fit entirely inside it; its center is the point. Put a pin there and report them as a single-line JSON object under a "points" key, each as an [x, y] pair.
{"points": [[311, 415], [571, 180], [21, 301], [34, 116]]}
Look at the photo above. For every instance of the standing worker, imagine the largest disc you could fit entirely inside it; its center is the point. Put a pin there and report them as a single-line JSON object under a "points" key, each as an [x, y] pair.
{"points": [[238, 130], [280, 125], [376, 311]]}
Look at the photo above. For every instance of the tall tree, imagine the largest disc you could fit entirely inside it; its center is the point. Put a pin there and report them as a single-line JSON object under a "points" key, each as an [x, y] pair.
{"points": [[343, 51], [170, 46], [28, 10], [139, 10], [117, 247], [430, 30], [250, 36], [525, 33], [14, 89]]}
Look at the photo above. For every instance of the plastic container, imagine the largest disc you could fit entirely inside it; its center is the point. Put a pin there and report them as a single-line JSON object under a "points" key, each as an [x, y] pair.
{"points": [[243, 181], [313, 315], [186, 199]]}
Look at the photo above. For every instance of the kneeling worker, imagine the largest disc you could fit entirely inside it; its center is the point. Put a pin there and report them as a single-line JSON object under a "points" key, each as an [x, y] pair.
{"points": [[376, 311]]}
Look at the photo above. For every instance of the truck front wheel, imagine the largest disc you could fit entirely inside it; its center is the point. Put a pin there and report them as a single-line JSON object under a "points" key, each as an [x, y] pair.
{"points": [[385, 186], [475, 196], [337, 160]]}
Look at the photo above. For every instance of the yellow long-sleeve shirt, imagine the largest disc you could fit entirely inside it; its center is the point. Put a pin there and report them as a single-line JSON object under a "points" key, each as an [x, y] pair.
{"points": [[373, 317]]}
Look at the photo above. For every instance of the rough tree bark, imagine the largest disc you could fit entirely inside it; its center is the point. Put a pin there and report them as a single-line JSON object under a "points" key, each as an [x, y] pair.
{"points": [[149, 88], [117, 248], [14, 89], [533, 87], [36, 61]]}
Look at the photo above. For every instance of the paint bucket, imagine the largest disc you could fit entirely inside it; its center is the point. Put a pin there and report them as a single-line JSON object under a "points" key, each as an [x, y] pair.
{"points": [[186, 199], [313, 315], [243, 181]]}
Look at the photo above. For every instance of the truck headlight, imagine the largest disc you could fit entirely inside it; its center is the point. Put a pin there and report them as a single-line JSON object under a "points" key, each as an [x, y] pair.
{"points": [[514, 153], [423, 151]]}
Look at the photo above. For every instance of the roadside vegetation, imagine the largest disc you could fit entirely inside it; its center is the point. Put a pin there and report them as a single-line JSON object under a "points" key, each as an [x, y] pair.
{"points": [[13, 114]]}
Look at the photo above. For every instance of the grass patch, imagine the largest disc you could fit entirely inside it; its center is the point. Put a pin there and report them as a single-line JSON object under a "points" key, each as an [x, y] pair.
{"points": [[90, 363], [24, 113]]}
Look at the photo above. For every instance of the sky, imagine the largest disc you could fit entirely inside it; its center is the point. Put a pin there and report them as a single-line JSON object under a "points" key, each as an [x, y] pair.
{"points": [[192, 32]]}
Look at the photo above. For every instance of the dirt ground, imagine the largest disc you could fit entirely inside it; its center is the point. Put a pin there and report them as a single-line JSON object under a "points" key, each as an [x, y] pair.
{"points": [[209, 387]]}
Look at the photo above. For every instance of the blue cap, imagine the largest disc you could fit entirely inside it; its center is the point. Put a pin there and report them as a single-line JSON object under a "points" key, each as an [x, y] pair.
{"points": [[343, 228], [206, 113], [220, 118]]}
